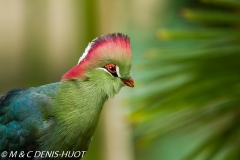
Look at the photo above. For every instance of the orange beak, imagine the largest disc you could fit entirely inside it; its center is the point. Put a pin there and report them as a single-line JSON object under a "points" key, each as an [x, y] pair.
{"points": [[129, 82]]}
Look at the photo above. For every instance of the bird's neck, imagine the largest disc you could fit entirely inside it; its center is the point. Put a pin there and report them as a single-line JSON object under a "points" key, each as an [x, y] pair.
{"points": [[77, 109], [82, 104]]}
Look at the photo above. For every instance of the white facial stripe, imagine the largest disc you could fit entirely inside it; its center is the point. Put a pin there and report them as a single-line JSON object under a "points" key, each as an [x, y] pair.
{"points": [[105, 71], [84, 55], [118, 73], [85, 52]]}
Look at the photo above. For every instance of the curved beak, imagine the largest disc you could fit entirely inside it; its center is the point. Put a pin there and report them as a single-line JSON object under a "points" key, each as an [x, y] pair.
{"points": [[129, 82]]}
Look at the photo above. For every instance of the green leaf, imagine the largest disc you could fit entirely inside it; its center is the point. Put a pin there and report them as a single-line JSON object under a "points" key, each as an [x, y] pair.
{"points": [[211, 16]]}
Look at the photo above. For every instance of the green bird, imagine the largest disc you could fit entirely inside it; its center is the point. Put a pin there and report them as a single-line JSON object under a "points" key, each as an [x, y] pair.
{"points": [[63, 116]]}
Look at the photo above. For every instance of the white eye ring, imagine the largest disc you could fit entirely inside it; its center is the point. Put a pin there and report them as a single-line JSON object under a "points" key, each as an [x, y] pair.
{"points": [[117, 70]]}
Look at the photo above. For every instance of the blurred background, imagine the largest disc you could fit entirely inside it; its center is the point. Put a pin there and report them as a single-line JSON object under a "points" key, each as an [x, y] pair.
{"points": [[186, 65]]}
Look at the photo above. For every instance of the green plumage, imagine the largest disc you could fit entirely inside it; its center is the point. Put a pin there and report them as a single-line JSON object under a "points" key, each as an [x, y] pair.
{"points": [[77, 109]]}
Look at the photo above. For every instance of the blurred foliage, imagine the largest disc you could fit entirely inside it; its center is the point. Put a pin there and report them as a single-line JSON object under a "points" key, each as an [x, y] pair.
{"points": [[190, 88]]}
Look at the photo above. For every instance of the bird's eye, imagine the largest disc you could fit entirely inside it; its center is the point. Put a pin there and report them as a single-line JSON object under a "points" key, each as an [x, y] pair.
{"points": [[111, 68]]}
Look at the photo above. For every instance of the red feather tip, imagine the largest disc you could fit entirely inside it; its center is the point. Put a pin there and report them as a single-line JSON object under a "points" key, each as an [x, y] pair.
{"points": [[116, 38]]}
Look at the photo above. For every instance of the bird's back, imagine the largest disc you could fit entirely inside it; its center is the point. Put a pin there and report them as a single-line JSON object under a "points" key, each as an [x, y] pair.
{"points": [[22, 116]]}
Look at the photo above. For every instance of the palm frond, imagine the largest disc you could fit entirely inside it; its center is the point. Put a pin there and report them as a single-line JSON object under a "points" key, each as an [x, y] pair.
{"points": [[193, 81]]}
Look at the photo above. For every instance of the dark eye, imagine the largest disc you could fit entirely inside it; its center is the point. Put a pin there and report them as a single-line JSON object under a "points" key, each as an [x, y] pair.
{"points": [[111, 68]]}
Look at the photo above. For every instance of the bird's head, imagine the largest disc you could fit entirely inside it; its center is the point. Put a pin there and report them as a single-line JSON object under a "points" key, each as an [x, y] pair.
{"points": [[107, 58]]}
